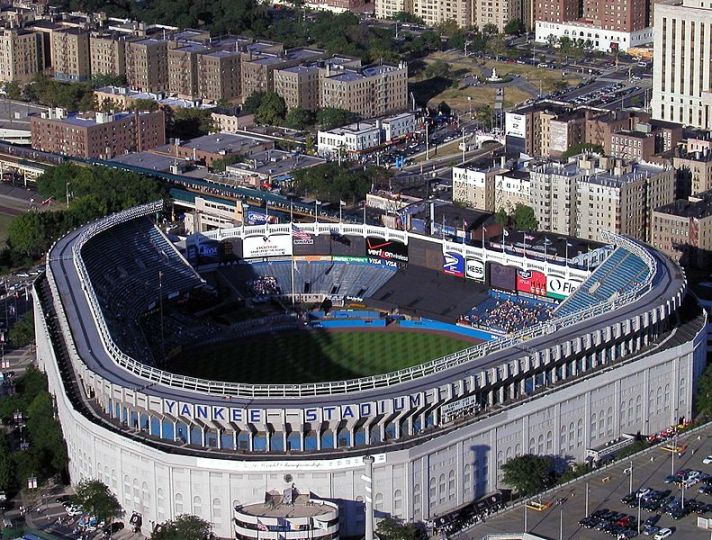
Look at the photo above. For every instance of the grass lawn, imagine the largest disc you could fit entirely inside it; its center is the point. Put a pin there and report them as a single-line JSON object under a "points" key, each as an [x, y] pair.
{"points": [[314, 356]]}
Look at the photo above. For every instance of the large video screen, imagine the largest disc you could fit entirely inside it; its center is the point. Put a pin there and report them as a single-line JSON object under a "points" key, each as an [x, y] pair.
{"points": [[390, 250], [276, 245], [531, 282], [503, 277]]}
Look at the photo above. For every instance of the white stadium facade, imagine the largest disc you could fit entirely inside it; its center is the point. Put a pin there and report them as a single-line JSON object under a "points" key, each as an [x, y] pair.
{"points": [[620, 355]]}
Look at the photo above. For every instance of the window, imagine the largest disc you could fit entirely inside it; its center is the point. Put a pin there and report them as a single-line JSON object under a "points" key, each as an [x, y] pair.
{"points": [[178, 504]]}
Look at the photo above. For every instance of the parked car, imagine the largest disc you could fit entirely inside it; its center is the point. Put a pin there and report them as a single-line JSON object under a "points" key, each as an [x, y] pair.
{"points": [[663, 534]]}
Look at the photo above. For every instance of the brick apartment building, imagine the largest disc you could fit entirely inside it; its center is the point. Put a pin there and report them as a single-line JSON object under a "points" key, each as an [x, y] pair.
{"points": [[147, 65], [107, 52], [70, 55], [97, 135], [22, 55]]}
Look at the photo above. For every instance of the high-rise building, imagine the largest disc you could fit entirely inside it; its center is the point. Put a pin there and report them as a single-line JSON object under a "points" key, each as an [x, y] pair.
{"points": [[617, 15], [97, 135], [70, 55], [107, 52], [147, 65], [434, 12], [683, 230], [219, 75], [385, 9], [21, 54], [496, 12], [298, 86], [682, 82], [183, 70], [257, 70], [592, 194], [369, 91], [557, 11]]}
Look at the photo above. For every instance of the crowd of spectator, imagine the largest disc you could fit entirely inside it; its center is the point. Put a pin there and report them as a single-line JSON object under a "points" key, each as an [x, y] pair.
{"points": [[508, 314], [264, 286]]}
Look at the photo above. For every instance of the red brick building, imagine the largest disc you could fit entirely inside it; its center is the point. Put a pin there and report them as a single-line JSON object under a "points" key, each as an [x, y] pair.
{"points": [[98, 135]]}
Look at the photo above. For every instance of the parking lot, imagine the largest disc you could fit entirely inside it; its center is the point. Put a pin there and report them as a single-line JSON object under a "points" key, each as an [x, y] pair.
{"points": [[608, 487]]}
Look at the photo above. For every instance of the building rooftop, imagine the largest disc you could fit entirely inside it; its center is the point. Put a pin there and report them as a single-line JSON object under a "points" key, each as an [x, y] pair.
{"points": [[221, 142], [275, 163], [346, 76], [634, 134], [148, 160], [696, 207], [362, 126], [222, 53], [149, 42], [90, 119], [302, 69], [192, 48]]}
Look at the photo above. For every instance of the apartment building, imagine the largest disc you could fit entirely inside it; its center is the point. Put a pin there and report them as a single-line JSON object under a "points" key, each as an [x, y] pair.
{"points": [[210, 148], [46, 29], [369, 91], [633, 145], [476, 187], [617, 15], [147, 65], [435, 12], [497, 12], [682, 90], [21, 55], [556, 11], [553, 196], [70, 55], [348, 141], [698, 166], [683, 230], [107, 53], [592, 193], [257, 73], [386, 9], [299, 86], [219, 75], [230, 121], [97, 135], [183, 78]]}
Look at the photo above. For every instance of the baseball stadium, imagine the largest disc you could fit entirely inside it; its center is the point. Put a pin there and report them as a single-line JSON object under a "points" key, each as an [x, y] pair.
{"points": [[362, 370]]}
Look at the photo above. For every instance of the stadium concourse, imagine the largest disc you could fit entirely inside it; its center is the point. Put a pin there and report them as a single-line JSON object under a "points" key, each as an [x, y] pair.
{"points": [[119, 304]]}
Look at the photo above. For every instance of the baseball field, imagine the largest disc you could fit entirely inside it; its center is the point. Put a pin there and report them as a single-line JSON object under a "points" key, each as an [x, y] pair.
{"points": [[315, 355]]}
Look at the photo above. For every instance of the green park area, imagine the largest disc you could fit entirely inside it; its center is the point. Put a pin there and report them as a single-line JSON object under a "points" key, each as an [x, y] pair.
{"points": [[314, 356], [449, 76]]}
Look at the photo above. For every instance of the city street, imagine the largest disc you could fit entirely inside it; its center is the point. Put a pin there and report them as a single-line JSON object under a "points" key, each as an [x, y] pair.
{"points": [[606, 488]]}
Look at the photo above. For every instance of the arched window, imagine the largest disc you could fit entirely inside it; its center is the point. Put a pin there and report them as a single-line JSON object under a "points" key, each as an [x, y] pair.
{"points": [[667, 395], [197, 506], [609, 421], [397, 502], [467, 477], [127, 491], [145, 497], [378, 502], [217, 509], [593, 425], [178, 504], [540, 442], [442, 488], [451, 485], [160, 505], [638, 408], [416, 500], [433, 491], [549, 441]]}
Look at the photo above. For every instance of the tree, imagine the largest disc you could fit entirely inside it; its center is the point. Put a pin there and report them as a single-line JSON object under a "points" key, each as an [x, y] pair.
{"points": [[185, 123], [404, 16], [703, 395], [332, 117], [524, 218], [22, 333], [333, 182], [490, 29], [392, 528], [439, 68], [6, 468], [484, 115], [13, 90], [94, 498], [497, 46], [515, 26], [253, 102], [272, 109], [185, 527], [528, 474], [299, 118], [501, 217]]}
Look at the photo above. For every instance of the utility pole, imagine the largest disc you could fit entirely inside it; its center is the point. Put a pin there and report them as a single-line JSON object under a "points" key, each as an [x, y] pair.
{"points": [[427, 141], [586, 499], [368, 479]]}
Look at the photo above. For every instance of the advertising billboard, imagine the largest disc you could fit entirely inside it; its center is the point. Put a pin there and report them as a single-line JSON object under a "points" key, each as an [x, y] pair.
{"points": [[531, 282], [515, 125], [454, 264], [559, 287], [277, 245], [503, 277], [475, 269], [389, 250]]}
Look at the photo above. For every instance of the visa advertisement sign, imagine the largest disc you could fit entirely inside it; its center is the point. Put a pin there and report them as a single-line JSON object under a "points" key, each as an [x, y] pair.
{"points": [[454, 264]]}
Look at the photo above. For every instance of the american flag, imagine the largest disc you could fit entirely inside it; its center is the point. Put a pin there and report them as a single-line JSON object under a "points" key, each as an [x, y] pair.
{"points": [[300, 234]]}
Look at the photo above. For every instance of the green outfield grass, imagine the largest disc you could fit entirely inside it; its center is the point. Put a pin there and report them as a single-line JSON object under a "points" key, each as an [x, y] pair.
{"points": [[314, 356]]}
